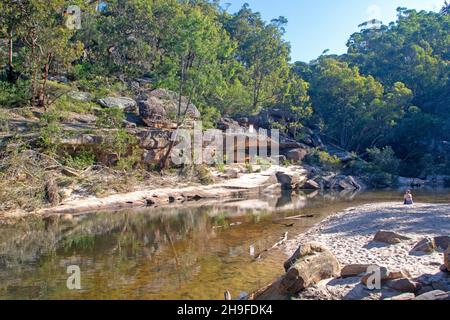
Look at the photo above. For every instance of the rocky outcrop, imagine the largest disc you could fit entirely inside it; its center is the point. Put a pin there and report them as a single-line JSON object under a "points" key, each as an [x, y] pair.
{"points": [[297, 154], [389, 237], [124, 103]]}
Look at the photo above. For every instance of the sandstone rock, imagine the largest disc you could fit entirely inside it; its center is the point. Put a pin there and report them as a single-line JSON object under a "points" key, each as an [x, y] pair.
{"points": [[288, 181], [442, 242], [123, 103], [404, 285], [433, 295], [169, 100], [67, 218], [386, 275], [426, 245], [311, 185], [447, 258], [227, 124], [389, 237], [80, 96], [353, 270], [402, 297], [296, 154], [232, 173], [310, 264]]}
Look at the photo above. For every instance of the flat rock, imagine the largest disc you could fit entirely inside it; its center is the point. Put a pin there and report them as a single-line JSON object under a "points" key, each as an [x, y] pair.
{"points": [[404, 285], [123, 103], [433, 295], [353, 270]]}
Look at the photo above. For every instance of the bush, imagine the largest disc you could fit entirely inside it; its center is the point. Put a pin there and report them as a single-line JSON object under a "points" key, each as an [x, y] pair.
{"points": [[384, 159], [324, 159], [110, 118], [14, 95], [80, 161]]}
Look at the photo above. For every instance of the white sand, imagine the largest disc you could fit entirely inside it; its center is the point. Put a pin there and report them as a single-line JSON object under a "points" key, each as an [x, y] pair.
{"points": [[349, 236]]}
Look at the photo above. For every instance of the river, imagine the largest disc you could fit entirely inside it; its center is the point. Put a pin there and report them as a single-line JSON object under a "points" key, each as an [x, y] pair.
{"points": [[194, 251]]}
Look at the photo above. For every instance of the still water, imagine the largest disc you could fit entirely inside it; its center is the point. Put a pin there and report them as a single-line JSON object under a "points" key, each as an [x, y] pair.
{"points": [[194, 251]]}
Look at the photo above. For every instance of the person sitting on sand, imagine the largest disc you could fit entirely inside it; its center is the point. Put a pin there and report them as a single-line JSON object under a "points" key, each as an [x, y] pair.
{"points": [[408, 198]]}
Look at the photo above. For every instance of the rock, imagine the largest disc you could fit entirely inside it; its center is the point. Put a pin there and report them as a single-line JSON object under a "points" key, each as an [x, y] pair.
{"points": [[227, 124], [386, 275], [402, 297], [311, 185], [389, 237], [348, 183], [80, 96], [169, 100], [232, 173], [123, 103], [67, 218], [433, 295], [152, 111], [447, 258], [404, 285], [442, 242], [426, 245], [410, 182], [296, 154], [288, 181], [310, 264], [353, 270]]}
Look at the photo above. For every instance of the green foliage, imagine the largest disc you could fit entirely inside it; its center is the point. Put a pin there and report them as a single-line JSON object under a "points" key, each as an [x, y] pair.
{"points": [[14, 94], [50, 132], [81, 160], [110, 118], [322, 158]]}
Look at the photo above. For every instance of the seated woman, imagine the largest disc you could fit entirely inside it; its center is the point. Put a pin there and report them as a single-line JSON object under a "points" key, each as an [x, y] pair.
{"points": [[408, 198]]}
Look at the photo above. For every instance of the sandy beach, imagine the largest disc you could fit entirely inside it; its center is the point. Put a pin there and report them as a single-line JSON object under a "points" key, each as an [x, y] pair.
{"points": [[349, 236]]}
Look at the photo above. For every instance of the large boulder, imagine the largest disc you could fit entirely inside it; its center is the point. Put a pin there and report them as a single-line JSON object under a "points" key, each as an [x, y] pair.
{"points": [[124, 103], [297, 154], [169, 101], [152, 112], [389, 237], [290, 180], [310, 264]]}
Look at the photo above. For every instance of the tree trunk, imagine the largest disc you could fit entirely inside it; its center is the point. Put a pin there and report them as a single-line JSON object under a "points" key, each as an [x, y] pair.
{"points": [[42, 99], [10, 70]]}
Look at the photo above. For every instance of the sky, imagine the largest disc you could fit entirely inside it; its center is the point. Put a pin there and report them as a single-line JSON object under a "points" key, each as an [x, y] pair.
{"points": [[317, 25]]}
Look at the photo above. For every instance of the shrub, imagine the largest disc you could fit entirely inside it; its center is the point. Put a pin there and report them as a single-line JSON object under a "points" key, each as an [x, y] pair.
{"points": [[14, 95], [80, 161], [110, 118], [324, 159]]}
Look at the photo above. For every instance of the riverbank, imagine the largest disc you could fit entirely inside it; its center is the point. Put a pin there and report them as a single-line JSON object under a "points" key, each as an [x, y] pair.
{"points": [[349, 235]]}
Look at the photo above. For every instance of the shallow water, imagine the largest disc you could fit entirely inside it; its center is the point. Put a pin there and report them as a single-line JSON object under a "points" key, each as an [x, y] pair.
{"points": [[194, 251]]}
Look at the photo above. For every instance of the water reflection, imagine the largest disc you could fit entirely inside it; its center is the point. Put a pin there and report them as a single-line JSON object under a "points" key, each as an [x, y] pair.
{"points": [[185, 252]]}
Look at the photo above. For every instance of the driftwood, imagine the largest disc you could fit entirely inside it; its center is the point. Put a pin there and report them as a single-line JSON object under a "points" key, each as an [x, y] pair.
{"points": [[276, 245]]}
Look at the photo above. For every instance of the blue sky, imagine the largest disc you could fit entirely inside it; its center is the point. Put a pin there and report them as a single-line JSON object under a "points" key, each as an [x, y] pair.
{"points": [[316, 25]]}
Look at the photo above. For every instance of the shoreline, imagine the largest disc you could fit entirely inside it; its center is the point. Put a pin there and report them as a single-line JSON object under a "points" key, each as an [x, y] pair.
{"points": [[244, 185], [349, 236]]}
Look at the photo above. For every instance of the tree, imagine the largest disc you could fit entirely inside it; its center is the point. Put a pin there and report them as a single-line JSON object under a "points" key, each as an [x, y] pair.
{"points": [[49, 45], [193, 45], [13, 13], [263, 52], [355, 110]]}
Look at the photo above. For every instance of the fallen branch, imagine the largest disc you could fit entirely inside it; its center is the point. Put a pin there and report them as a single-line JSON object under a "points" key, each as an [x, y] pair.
{"points": [[276, 245]]}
